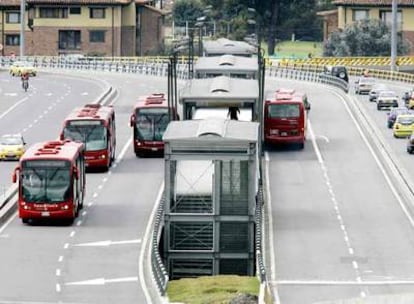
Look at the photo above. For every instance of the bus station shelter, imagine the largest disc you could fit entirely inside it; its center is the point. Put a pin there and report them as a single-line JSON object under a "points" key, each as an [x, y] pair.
{"points": [[226, 65], [211, 182], [223, 46], [214, 96]]}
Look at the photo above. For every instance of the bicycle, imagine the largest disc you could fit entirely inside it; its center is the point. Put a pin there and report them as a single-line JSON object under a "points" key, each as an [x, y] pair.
{"points": [[25, 84]]}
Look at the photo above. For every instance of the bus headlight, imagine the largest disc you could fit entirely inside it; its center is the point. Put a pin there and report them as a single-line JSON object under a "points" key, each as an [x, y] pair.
{"points": [[65, 207], [103, 156]]}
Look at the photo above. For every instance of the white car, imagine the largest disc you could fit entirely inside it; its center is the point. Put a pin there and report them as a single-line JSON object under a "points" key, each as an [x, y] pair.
{"points": [[387, 99], [364, 85], [373, 94]]}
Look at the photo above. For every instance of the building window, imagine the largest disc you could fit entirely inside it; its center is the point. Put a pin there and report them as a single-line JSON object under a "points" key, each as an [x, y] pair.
{"points": [[69, 40], [76, 10], [53, 12], [96, 36], [386, 16], [97, 13], [358, 15], [13, 39], [13, 17]]}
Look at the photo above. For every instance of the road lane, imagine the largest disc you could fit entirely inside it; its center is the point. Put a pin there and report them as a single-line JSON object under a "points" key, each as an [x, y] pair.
{"points": [[118, 205], [39, 113], [336, 221]]}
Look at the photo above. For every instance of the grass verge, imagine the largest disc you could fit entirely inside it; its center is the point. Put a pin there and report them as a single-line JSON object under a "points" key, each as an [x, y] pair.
{"points": [[298, 49], [212, 289]]}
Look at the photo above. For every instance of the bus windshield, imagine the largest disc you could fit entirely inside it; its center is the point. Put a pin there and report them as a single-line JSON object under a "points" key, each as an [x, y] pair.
{"points": [[151, 123], [46, 184], [284, 111], [94, 136]]}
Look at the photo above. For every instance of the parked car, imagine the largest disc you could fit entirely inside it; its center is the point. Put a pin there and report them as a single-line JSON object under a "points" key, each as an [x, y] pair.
{"points": [[403, 126], [364, 84], [376, 88], [387, 99], [18, 67], [12, 146], [392, 115], [337, 71]]}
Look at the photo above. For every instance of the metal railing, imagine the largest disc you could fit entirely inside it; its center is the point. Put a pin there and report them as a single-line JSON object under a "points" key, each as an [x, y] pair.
{"points": [[158, 269]]}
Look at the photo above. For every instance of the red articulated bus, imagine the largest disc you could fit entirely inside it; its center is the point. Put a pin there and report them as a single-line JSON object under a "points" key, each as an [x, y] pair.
{"points": [[93, 125], [149, 119], [51, 177], [285, 116]]}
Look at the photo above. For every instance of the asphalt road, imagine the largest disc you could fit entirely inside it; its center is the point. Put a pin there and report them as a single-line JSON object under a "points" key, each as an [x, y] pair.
{"points": [[96, 260], [335, 218], [338, 228]]}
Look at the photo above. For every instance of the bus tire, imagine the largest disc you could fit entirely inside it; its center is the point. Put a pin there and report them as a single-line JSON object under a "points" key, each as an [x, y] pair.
{"points": [[25, 221], [301, 146]]}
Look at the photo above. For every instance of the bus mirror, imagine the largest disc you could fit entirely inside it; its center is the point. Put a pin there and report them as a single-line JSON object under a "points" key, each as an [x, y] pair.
{"points": [[308, 106], [14, 176], [76, 172], [132, 120]]}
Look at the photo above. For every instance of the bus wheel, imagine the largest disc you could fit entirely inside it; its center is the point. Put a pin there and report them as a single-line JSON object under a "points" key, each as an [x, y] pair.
{"points": [[25, 221], [301, 146]]}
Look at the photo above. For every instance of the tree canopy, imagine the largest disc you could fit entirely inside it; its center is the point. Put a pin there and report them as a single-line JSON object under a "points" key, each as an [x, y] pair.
{"points": [[363, 38], [273, 20]]}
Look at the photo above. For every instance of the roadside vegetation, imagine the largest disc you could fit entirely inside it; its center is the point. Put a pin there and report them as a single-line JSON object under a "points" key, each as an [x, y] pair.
{"points": [[298, 49], [212, 289]]}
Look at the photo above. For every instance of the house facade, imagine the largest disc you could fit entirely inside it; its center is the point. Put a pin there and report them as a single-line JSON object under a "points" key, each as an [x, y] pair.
{"points": [[350, 11], [88, 27]]}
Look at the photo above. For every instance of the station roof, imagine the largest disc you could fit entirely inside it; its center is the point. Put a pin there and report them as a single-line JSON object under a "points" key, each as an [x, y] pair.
{"points": [[221, 88], [227, 63], [223, 46], [212, 130]]}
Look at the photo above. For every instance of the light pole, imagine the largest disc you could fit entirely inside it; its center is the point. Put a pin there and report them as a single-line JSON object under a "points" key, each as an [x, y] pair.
{"points": [[22, 26], [394, 36]]}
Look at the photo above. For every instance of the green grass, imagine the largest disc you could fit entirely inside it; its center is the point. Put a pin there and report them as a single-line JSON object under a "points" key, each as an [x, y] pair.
{"points": [[211, 289], [297, 49]]}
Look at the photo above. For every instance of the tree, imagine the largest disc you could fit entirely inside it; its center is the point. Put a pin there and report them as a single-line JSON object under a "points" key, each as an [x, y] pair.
{"points": [[363, 38], [187, 11]]}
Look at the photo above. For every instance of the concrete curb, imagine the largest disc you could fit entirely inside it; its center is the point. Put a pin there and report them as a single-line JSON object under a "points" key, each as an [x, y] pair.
{"points": [[8, 203]]}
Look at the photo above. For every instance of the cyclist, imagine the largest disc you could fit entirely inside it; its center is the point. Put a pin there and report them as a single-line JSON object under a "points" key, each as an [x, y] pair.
{"points": [[25, 79]]}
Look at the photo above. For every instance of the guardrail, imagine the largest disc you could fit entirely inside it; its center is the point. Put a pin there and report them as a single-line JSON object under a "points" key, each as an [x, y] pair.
{"points": [[158, 268], [351, 61]]}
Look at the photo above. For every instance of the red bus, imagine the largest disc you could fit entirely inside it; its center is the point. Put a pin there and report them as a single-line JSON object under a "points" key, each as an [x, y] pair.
{"points": [[51, 177], [285, 118], [93, 125], [149, 119]]}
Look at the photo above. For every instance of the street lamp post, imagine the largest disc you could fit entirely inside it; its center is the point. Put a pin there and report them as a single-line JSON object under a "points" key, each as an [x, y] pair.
{"points": [[394, 36], [22, 26]]}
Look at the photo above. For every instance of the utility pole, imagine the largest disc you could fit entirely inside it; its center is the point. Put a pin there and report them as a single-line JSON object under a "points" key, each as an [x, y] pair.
{"points": [[22, 25], [394, 36]]}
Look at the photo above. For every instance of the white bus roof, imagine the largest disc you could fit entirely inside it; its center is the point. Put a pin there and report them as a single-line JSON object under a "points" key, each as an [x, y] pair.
{"points": [[223, 46], [212, 129], [220, 89], [226, 64]]}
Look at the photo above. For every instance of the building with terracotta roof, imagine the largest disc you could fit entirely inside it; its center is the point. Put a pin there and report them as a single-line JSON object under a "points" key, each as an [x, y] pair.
{"points": [[88, 27], [349, 11]]}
